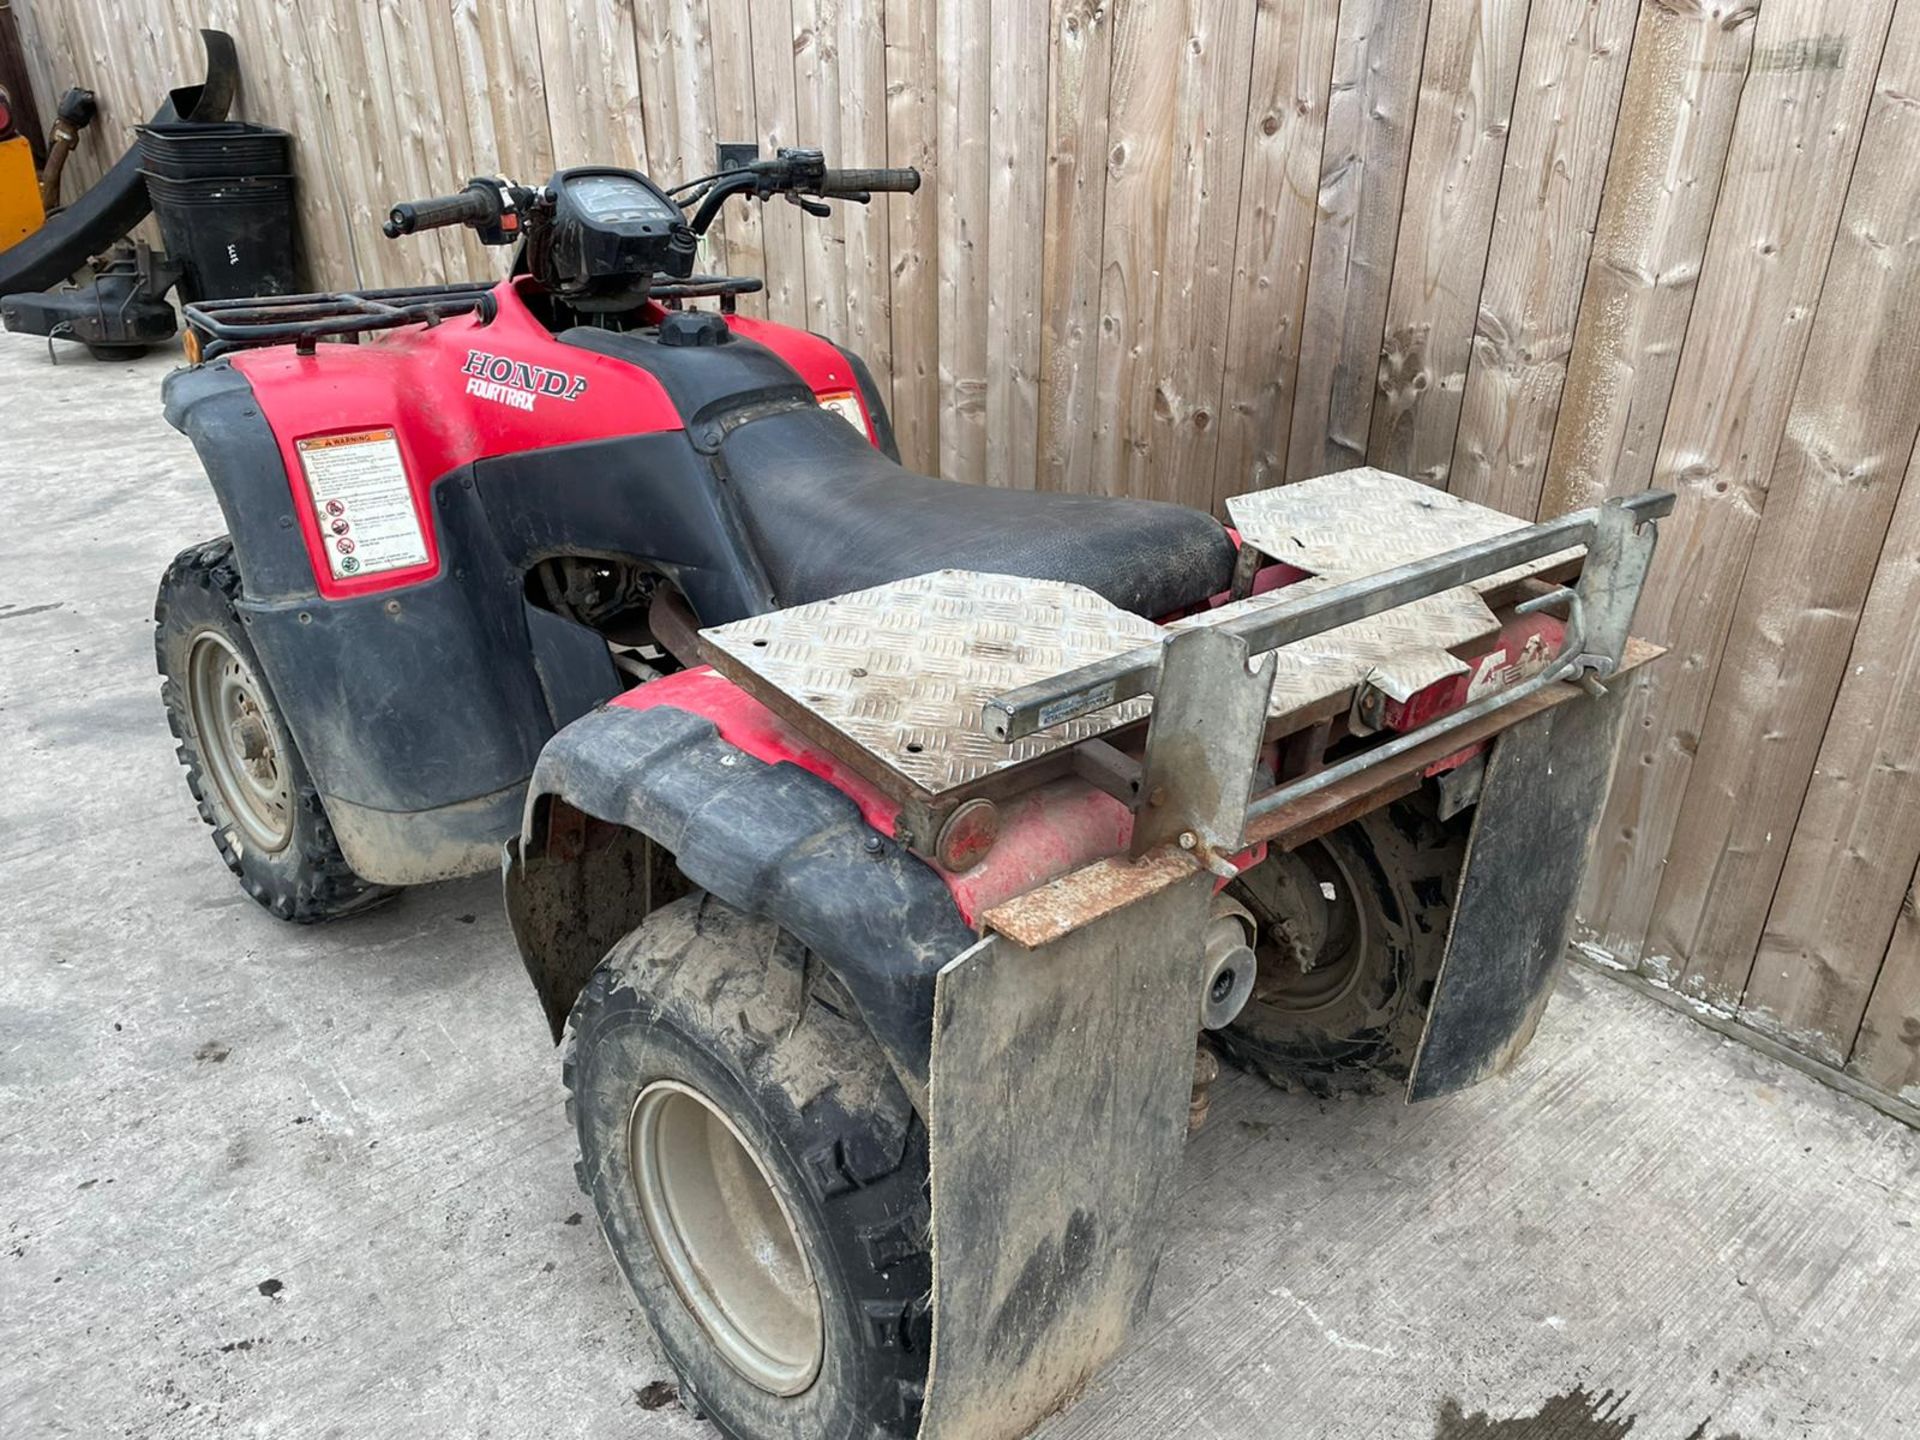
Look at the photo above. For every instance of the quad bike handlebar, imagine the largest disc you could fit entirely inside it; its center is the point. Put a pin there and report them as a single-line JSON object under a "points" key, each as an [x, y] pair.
{"points": [[480, 204], [599, 237], [858, 184], [797, 174]]}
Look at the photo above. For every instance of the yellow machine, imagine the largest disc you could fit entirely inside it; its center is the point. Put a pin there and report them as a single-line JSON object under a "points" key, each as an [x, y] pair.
{"points": [[21, 212]]}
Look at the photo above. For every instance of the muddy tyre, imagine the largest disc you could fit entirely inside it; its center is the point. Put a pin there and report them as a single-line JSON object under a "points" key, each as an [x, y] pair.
{"points": [[1352, 928], [242, 765], [759, 1175]]}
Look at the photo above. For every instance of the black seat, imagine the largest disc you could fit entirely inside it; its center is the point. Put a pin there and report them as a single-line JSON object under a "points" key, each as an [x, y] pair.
{"points": [[830, 514]]}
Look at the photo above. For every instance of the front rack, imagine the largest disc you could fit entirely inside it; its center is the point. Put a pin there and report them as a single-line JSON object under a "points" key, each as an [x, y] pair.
{"points": [[304, 320], [223, 325]]}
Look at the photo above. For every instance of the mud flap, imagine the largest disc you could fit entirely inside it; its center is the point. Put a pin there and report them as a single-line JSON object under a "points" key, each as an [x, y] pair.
{"points": [[1540, 808], [1058, 1108]]}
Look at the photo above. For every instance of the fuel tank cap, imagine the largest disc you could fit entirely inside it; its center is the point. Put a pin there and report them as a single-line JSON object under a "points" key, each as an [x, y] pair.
{"points": [[694, 327]]}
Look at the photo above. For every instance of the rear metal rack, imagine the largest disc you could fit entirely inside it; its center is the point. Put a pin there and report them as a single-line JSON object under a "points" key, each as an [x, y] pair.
{"points": [[955, 686]]}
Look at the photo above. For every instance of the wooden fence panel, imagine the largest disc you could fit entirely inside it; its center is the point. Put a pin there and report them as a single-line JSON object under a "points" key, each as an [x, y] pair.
{"points": [[1676, 121], [741, 248], [1081, 65], [504, 88], [1786, 179], [1857, 840], [1556, 162], [1453, 181], [1016, 247], [1363, 172], [778, 108], [1143, 93], [1849, 432], [965, 120], [1279, 177], [913, 239], [1888, 1054], [1193, 296], [1539, 251]]}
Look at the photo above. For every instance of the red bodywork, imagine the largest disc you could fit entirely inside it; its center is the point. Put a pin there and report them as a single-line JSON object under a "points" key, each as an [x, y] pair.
{"points": [[426, 384]]}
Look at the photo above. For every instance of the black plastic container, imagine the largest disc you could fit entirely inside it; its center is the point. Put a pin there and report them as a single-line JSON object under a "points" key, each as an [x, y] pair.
{"points": [[182, 150], [234, 235]]}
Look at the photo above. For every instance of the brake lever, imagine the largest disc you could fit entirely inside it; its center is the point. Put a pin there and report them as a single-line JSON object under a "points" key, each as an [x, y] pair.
{"points": [[812, 207]]}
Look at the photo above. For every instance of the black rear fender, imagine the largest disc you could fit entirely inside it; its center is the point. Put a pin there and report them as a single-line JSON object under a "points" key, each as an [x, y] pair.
{"points": [[774, 841]]}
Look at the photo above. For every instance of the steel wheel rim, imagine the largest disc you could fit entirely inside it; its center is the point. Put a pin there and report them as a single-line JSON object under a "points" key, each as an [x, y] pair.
{"points": [[725, 1238], [1341, 935], [236, 735]]}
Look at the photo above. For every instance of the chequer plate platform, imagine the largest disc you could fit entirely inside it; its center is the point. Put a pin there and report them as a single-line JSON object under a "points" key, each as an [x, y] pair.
{"points": [[902, 670]]}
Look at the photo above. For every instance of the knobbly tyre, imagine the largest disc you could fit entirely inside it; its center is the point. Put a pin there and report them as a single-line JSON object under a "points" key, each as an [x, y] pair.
{"points": [[878, 847]]}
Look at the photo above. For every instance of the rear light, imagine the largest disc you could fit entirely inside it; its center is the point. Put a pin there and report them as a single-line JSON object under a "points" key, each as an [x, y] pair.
{"points": [[1524, 647]]}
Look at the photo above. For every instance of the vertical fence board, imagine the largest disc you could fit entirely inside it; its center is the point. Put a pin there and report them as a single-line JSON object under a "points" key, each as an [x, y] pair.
{"points": [[590, 59], [1453, 180], [1363, 171], [1570, 81], [1074, 223], [1786, 178], [1293, 47], [742, 247], [271, 40], [427, 158], [501, 76], [1016, 198], [1143, 92], [1857, 840], [913, 237], [1195, 293], [777, 106], [820, 110], [1832, 490], [1888, 1053], [867, 324], [1670, 147], [965, 119]]}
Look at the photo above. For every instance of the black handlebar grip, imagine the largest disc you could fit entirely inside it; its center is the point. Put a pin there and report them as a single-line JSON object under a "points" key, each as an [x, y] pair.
{"points": [[904, 180], [475, 205]]}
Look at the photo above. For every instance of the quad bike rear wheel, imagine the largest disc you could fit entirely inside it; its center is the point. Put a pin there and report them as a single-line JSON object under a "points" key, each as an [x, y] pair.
{"points": [[1352, 928], [759, 1175], [243, 767]]}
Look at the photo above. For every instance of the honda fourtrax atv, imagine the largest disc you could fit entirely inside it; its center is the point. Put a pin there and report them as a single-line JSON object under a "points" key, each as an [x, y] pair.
{"points": [[892, 855]]}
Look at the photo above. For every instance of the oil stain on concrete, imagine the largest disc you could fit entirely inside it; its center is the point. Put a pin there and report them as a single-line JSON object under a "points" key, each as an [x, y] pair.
{"points": [[1576, 1415]]}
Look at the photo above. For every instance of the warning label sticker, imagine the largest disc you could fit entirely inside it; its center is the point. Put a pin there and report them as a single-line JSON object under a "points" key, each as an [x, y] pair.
{"points": [[362, 501]]}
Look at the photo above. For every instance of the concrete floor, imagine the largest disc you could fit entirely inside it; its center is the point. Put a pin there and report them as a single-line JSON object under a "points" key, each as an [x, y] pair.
{"points": [[256, 1180]]}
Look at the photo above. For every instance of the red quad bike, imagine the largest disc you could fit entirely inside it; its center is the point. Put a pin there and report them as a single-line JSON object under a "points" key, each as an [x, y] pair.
{"points": [[880, 847]]}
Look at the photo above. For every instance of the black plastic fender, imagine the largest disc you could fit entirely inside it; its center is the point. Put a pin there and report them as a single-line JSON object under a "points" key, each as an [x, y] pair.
{"points": [[118, 202], [774, 841], [1533, 832]]}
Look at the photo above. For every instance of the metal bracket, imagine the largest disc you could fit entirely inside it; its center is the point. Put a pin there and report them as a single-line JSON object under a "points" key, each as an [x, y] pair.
{"points": [[1210, 715], [1618, 557]]}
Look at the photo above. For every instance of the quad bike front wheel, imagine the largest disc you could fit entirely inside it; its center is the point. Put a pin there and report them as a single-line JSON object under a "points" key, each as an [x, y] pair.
{"points": [[243, 767], [759, 1175], [1351, 931]]}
